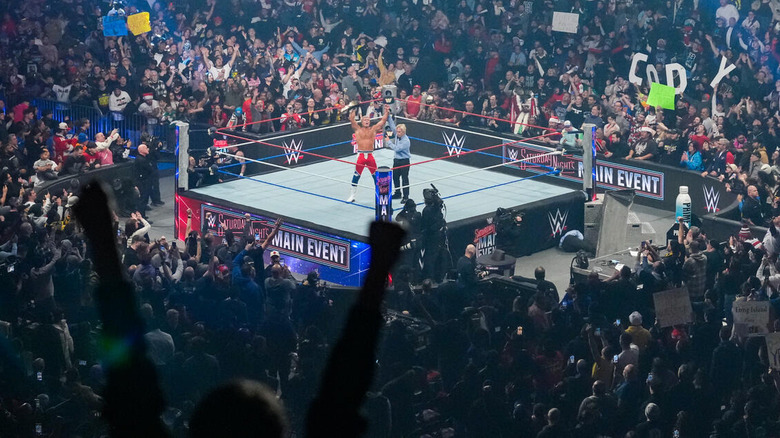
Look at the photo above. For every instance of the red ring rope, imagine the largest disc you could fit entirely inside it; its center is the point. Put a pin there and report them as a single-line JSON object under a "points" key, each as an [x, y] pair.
{"points": [[477, 150], [483, 116], [355, 105]]}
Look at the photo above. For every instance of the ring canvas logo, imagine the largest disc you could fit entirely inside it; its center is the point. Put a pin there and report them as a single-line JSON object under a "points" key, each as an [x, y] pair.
{"points": [[454, 143], [557, 221], [711, 199], [292, 150]]}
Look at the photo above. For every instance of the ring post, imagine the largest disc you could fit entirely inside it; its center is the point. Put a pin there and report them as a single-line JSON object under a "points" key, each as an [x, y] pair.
{"points": [[384, 187], [589, 160]]}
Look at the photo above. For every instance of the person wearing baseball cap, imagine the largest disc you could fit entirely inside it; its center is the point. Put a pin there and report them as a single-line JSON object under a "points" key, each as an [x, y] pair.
{"points": [[62, 145], [640, 336], [569, 136], [413, 103]]}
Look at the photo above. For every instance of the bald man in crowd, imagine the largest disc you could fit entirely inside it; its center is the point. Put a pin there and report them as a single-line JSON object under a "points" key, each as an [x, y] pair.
{"points": [[467, 268]]}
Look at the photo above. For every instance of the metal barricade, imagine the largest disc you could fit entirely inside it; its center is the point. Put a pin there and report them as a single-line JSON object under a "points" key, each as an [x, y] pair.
{"points": [[130, 126]]}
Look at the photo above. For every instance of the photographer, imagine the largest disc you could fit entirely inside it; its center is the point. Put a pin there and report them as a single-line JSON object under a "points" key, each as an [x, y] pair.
{"points": [[434, 235]]}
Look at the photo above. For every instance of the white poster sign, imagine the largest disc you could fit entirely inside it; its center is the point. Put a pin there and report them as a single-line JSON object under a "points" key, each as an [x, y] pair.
{"points": [[752, 315], [673, 307], [565, 22]]}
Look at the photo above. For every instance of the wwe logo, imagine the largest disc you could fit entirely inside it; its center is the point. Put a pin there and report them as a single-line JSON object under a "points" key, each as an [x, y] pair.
{"points": [[711, 199], [212, 221], [292, 151], [454, 143], [557, 221], [512, 154]]}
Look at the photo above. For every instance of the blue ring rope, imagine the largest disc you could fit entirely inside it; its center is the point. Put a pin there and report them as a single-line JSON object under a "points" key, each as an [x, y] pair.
{"points": [[284, 155], [482, 153], [296, 190], [305, 150], [556, 172]]}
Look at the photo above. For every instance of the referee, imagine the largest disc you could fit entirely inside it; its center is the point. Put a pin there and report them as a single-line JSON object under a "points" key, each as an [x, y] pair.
{"points": [[399, 143]]}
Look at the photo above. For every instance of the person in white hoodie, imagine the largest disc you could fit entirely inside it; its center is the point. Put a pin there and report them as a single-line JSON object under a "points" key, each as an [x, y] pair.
{"points": [[117, 102]]}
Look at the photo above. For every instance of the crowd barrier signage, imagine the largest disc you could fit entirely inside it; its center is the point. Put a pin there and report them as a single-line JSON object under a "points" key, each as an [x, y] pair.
{"points": [[294, 241]]}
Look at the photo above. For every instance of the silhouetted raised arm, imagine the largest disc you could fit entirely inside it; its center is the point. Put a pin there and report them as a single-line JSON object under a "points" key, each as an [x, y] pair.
{"points": [[336, 409], [133, 399]]}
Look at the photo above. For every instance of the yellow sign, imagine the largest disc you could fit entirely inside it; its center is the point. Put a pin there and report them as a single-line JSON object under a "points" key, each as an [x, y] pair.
{"points": [[139, 23]]}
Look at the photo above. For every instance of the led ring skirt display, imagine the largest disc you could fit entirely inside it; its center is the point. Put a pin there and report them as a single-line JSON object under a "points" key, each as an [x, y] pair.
{"points": [[304, 176]]}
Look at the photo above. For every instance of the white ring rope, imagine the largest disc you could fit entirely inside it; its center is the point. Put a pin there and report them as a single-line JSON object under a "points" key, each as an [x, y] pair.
{"points": [[252, 160], [478, 170]]}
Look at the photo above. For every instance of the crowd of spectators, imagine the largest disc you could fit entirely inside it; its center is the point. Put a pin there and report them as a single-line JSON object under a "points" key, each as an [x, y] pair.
{"points": [[493, 65], [593, 363]]}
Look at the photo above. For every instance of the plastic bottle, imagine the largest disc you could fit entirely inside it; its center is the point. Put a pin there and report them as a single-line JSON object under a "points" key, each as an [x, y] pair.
{"points": [[683, 206]]}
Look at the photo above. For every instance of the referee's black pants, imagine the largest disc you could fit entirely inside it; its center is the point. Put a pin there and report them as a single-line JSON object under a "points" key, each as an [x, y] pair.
{"points": [[401, 176]]}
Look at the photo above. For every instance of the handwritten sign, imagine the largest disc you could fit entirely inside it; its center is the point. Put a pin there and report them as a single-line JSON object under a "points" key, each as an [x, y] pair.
{"points": [[752, 315], [565, 22], [139, 23], [114, 25], [673, 307], [773, 350], [661, 95]]}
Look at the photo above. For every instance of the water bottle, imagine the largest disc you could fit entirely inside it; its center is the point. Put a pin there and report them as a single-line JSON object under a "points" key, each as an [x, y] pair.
{"points": [[683, 206]]}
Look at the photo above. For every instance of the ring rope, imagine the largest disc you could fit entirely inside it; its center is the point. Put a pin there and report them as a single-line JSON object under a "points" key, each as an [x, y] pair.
{"points": [[472, 151], [513, 122], [479, 170], [487, 154], [352, 163], [242, 125], [310, 149], [294, 169]]}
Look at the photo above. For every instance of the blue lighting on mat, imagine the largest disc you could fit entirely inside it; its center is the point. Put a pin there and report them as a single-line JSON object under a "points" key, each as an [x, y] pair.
{"points": [[296, 190], [552, 172]]}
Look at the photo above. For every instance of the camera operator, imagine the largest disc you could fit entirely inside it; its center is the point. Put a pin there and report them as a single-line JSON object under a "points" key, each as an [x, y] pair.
{"points": [[508, 231], [411, 220], [434, 235]]}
